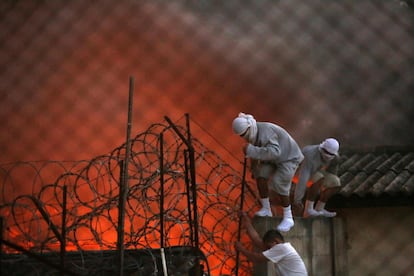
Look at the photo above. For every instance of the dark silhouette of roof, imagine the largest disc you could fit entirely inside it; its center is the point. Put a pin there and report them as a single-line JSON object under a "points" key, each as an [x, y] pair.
{"points": [[377, 176]]}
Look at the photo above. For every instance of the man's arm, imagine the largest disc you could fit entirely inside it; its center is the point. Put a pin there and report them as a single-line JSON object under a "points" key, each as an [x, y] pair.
{"points": [[252, 256], [251, 231], [300, 189], [269, 152]]}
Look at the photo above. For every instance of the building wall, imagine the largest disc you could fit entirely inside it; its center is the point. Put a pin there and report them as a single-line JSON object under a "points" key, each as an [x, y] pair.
{"points": [[359, 241], [380, 241]]}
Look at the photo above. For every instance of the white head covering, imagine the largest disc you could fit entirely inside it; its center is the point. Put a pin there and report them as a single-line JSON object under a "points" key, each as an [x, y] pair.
{"points": [[243, 123], [331, 145], [329, 148]]}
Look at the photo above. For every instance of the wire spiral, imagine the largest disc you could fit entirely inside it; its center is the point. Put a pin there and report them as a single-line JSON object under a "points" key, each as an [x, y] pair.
{"points": [[33, 213]]}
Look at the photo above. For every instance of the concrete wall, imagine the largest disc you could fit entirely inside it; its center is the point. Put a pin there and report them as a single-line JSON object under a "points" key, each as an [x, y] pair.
{"points": [[359, 241], [380, 241]]}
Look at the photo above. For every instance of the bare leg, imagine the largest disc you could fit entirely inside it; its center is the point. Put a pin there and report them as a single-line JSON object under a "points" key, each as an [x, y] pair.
{"points": [[263, 189], [287, 221], [328, 193], [325, 195], [313, 192], [285, 200]]}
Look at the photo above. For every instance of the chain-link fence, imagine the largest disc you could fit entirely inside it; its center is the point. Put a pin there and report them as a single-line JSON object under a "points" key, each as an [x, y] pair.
{"points": [[318, 68]]}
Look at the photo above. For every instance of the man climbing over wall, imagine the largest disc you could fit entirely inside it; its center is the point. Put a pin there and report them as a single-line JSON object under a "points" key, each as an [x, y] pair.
{"points": [[273, 248], [274, 156], [320, 166]]}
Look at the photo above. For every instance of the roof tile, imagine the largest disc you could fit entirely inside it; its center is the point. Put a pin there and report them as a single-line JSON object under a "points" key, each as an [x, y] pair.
{"points": [[380, 186], [397, 184], [408, 187], [377, 171]]}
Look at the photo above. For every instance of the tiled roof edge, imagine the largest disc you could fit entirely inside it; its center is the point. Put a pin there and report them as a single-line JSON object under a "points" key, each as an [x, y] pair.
{"points": [[376, 149]]}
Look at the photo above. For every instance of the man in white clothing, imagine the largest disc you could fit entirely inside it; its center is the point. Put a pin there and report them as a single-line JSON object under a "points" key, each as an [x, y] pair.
{"points": [[320, 167], [274, 156], [273, 248]]}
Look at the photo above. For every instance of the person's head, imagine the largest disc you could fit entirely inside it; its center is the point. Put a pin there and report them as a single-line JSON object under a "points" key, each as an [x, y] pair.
{"points": [[245, 126], [272, 237], [329, 149]]}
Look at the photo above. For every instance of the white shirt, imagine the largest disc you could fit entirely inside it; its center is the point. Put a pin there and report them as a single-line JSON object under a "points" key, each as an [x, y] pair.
{"points": [[287, 261]]}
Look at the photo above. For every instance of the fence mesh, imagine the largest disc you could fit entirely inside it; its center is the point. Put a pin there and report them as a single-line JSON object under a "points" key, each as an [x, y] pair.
{"points": [[318, 68]]}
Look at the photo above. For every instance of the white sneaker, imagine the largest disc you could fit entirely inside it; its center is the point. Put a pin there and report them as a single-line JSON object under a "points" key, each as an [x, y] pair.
{"points": [[264, 212], [285, 225], [326, 213], [311, 213]]}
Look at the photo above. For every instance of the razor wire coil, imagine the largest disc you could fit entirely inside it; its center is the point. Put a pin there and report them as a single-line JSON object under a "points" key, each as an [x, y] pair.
{"points": [[92, 200]]}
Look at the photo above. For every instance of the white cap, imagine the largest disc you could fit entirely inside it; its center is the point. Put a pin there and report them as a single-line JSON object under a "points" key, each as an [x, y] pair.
{"points": [[331, 145], [240, 125]]}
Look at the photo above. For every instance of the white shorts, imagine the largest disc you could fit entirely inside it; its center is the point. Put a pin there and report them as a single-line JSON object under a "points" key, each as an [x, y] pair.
{"points": [[279, 177], [329, 180]]}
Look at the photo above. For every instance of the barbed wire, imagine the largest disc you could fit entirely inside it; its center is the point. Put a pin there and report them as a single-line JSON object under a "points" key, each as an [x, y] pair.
{"points": [[32, 201]]}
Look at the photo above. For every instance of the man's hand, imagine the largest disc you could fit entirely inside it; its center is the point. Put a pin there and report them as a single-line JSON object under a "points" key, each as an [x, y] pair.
{"points": [[251, 231]]}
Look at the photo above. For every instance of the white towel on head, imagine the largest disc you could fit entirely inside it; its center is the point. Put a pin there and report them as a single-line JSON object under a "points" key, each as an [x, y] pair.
{"points": [[251, 122]]}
